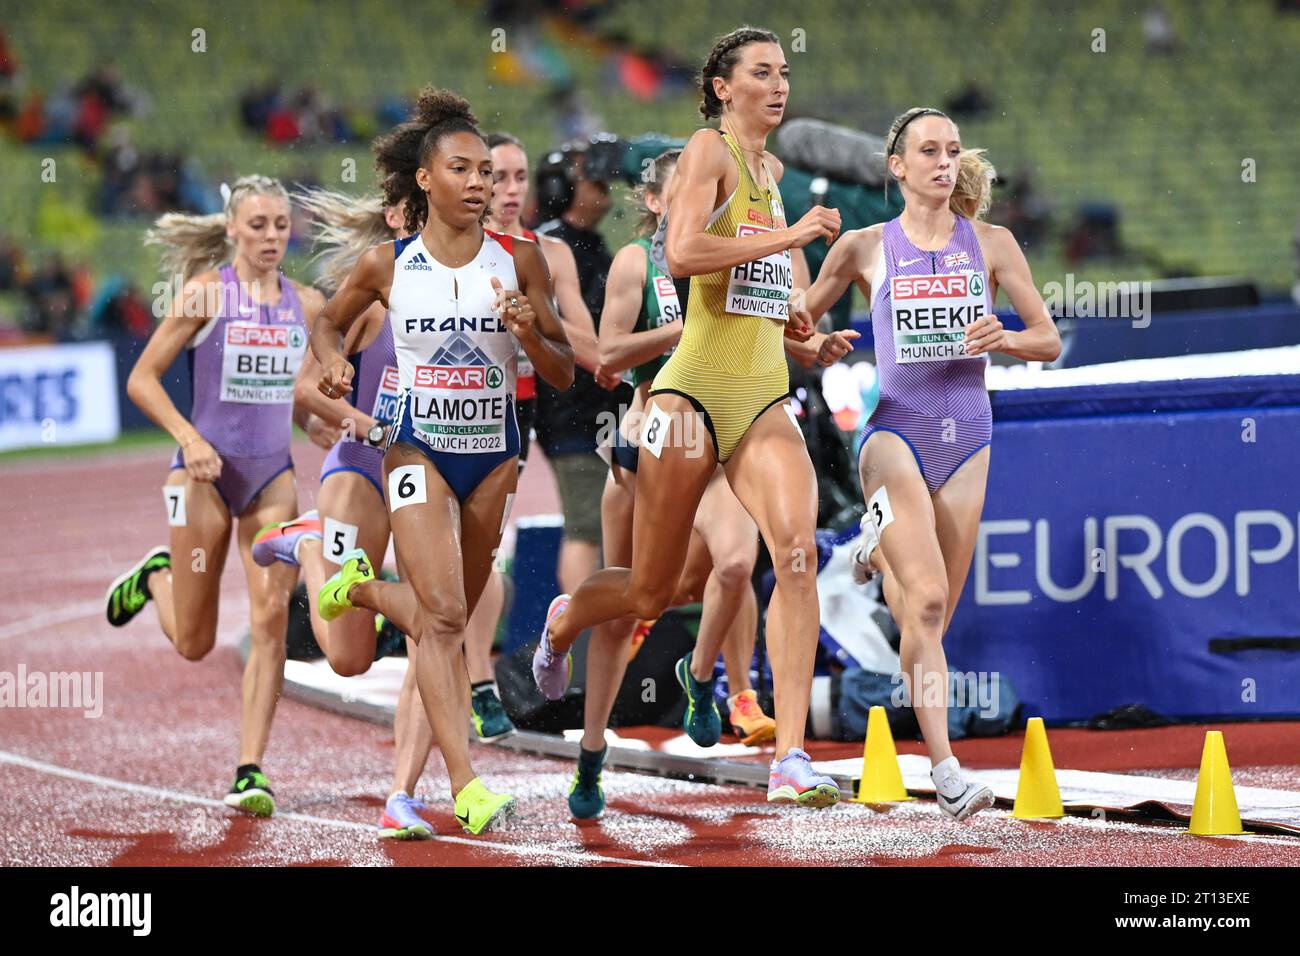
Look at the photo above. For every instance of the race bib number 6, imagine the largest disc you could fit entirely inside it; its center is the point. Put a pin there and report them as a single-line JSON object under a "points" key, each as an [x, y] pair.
{"points": [[406, 486]]}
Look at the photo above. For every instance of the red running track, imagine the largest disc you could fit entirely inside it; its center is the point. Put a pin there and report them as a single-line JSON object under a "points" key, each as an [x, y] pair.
{"points": [[141, 784]]}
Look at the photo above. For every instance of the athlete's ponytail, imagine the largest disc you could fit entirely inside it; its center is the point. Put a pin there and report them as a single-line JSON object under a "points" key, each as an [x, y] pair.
{"points": [[408, 147], [723, 59], [662, 169], [973, 191], [345, 227], [192, 244]]}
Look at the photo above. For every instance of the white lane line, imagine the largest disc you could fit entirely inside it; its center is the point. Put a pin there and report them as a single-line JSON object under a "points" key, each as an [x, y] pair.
{"points": [[75, 612], [164, 794]]}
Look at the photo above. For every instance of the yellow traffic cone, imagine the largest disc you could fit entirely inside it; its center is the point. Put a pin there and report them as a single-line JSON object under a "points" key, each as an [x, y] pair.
{"points": [[1215, 811], [1037, 795], [882, 780]]}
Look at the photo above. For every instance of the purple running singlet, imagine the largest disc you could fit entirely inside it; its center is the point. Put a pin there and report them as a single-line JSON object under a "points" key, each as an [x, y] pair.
{"points": [[932, 394], [243, 365]]}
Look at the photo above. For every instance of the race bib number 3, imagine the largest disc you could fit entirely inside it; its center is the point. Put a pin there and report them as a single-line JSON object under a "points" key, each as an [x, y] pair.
{"points": [[762, 287], [406, 487], [339, 538], [930, 315], [260, 362]]}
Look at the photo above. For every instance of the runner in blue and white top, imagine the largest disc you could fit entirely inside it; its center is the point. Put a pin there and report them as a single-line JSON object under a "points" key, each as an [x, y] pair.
{"points": [[459, 299]]}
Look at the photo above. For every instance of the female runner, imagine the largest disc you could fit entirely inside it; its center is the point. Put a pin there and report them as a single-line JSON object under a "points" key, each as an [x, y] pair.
{"points": [[931, 276]]}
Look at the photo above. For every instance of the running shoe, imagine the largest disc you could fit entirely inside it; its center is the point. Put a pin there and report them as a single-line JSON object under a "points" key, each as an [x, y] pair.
{"points": [[551, 671], [702, 723], [748, 722], [251, 793], [333, 598], [586, 795], [491, 722], [400, 820], [479, 809], [792, 779], [127, 596], [860, 562], [279, 542], [957, 796], [639, 634]]}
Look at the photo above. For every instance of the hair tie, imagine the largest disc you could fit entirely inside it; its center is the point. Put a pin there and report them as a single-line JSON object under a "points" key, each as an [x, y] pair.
{"points": [[225, 198]]}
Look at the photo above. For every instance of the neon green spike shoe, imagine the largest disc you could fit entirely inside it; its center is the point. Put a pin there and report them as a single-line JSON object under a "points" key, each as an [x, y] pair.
{"points": [[333, 598], [252, 793], [479, 809], [127, 596]]}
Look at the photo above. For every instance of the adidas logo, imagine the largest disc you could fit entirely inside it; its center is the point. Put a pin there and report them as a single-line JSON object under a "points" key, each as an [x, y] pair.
{"points": [[418, 261]]}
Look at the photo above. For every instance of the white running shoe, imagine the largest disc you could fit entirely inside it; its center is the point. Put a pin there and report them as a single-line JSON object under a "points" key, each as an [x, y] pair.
{"points": [[860, 563], [957, 796]]}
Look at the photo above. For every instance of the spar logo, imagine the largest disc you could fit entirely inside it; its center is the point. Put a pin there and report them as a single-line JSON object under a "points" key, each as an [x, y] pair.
{"points": [[265, 336], [956, 286], [457, 377]]}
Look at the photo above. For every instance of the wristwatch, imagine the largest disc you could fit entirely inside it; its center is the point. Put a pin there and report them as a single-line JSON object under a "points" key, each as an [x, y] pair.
{"points": [[375, 436]]}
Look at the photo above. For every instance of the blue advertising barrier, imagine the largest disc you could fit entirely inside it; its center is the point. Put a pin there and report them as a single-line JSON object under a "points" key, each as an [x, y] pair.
{"points": [[1140, 543]]}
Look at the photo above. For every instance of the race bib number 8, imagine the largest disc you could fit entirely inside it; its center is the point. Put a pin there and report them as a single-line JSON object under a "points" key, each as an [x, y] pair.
{"points": [[340, 538], [930, 315], [406, 487], [655, 431]]}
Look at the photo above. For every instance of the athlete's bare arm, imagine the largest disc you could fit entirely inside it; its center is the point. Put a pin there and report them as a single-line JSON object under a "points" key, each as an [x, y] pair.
{"points": [[187, 315], [1039, 341], [620, 347], [337, 411], [322, 433], [534, 322], [578, 325], [370, 281], [701, 172]]}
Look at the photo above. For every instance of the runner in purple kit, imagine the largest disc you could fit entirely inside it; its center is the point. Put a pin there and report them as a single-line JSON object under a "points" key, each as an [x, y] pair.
{"points": [[244, 326], [931, 277]]}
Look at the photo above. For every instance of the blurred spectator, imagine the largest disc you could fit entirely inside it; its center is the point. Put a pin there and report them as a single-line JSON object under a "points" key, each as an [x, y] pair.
{"points": [[119, 307], [971, 101], [53, 303], [1022, 208], [1095, 234], [573, 119], [1158, 31]]}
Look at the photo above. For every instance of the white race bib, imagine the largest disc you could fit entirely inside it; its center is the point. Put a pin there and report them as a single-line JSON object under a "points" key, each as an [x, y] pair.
{"points": [[260, 363], [930, 314], [461, 409], [762, 287]]}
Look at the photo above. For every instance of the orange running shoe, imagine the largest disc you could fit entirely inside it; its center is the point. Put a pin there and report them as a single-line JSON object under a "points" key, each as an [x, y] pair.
{"points": [[748, 722], [639, 635]]}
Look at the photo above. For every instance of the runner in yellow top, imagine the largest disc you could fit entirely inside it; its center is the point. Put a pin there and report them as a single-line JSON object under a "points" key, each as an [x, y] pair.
{"points": [[727, 379]]}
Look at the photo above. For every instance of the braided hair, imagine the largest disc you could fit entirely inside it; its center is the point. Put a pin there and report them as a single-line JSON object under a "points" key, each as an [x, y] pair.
{"points": [[723, 59], [400, 153]]}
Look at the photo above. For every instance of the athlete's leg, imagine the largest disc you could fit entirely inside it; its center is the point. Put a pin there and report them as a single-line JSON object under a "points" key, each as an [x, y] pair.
{"points": [[958, 504], [732, 539], [915, 580], [413, 738], [349, 499], [430, 605], [482, 629], [269, 590], [188, 593], [773, 477], [607, 650], [669, 488], [738, 647]]}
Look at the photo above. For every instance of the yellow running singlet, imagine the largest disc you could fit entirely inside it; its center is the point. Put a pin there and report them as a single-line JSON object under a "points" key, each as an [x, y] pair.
{"points": [[730, 361]]}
